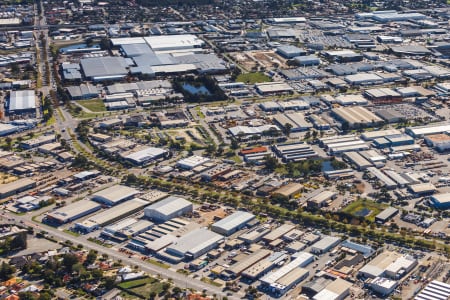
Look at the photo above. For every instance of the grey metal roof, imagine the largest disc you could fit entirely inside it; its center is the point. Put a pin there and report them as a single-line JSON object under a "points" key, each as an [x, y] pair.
{"points": [[169, 205], [104, 66], [234, 220]]}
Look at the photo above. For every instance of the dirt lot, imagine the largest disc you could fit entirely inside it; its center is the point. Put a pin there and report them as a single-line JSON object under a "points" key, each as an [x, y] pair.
{"points": [[6, 178], [244, 60], [268, 59], [206, 218]]}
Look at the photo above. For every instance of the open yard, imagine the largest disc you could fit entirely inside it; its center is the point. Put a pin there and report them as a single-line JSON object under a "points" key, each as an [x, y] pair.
{"points": [[95, 105], [364, 208], [143, 287], [6, 178], [251, 78]]}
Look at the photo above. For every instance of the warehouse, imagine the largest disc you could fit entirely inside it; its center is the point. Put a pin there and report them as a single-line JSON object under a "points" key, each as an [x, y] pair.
{"points": [[386, 215], [399, 179], [72, 212], [289, 190], [144, 155], [104, 68], [111, 215], [168, 208], [236, 270], [422, 189], [347, 100], [273, 88], [115, 195], [439, 141], [271, 281], [372, 135], [255, 234], [339, 174], [383, 96], [232, 223], [319, 123], [342, 147], [6, 129], [296, 121], [325, 244], [336, 140], [339, 289], [384, 179], [364, 79], [421, 131], [322, 199], [194, 244], [435, 290], [247, 131], [441, 201], [174, 42], [38, 141], [22, 102], [357, 160], [343, 56], [264, 266], [192, 162], [356, 116], [393, 261], [289, 51], [278, 232], [18, 186], [307, 60]]}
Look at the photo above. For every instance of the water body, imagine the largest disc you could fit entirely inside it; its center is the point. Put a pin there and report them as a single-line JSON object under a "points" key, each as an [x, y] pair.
{"points": [[196, 90]]}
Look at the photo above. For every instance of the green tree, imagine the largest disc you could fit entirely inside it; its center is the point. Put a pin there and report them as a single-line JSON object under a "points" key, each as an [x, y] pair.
{"points": [[287, 129], [69, 260], [270, 162], [6, 271], [91, 257]]}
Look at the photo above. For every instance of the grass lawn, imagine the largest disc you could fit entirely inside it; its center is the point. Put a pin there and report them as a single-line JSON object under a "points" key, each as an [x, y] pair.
{"points": [[252, 78], [157, 263], [134, 283], [95, 105], [358, 205], [146, 290]]}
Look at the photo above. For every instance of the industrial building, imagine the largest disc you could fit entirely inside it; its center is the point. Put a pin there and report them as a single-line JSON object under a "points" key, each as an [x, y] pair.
{"points": [[364, 79], [382, 178], [192, 162], [383, 96], [356, 159], [72, 211], [232, 223], [264, 266], [325, 244], [18, 186], [322, 199], [435, 290], [422, 188], [439, 141], [296, 121], [421, 131], [143, 156], [357, 116], [273, 88], [307, 60], [111, 215], [126, 228], [38, 141], [386, 214], [168, 208], [115, 195], [22, 102], [104, 68], [194, 244], [441, 201], [372, 135], [247, 131], [289, 51], [289, 190], [388, 264], [236, 269], [338, 289], [278, 232], [382, 286], [281, 280]]}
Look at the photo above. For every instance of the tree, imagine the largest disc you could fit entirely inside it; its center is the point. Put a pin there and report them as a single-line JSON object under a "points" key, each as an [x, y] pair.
{"points": [[91, 257], [69, 260], [110, 282], [19, 242], [97, 273], [287, 129], [270, 162], [6, 271], [234, 144]]}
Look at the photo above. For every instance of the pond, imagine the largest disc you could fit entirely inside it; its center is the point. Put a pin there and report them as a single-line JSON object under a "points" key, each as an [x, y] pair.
{"points": [[195, 90], [364, 212]]}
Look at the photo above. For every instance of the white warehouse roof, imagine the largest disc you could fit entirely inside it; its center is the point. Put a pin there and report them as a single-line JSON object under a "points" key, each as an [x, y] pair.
{"points": [[234, 220], [173, 42], [169, 205], [194, 241], [115, 194], [22, 100]]}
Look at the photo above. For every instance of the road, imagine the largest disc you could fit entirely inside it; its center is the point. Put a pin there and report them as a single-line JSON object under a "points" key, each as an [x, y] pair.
{"points": [[178, 279]]}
